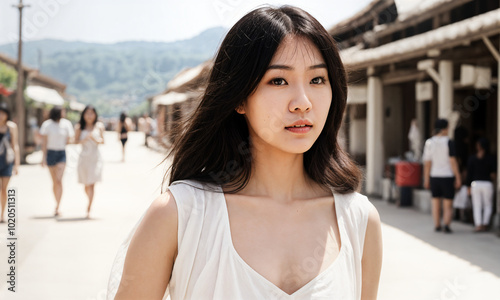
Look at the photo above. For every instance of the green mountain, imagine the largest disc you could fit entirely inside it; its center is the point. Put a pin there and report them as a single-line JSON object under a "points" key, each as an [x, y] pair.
{"points": [[117, 77]]}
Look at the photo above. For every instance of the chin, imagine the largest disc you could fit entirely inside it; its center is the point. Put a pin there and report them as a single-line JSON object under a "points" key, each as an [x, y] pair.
{"points": [[297, 147]]}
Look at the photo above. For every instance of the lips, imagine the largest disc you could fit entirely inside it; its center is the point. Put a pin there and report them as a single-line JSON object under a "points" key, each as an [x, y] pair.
{"points": [[300, 123], [304, 129], [300, 126]]}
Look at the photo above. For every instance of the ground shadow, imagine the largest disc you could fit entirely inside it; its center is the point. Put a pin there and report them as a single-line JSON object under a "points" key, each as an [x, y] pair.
{"points": [[480, 249], [74, 219], [43, 217]]}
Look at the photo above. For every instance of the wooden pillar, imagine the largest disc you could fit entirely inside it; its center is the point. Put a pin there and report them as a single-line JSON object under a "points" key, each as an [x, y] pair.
{"points": [[374, 147], [445, 91], [497, 215]]}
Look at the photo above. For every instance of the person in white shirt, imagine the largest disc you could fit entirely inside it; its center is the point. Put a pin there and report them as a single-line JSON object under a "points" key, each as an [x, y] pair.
{"points": [[56, 133], [441, 174]]}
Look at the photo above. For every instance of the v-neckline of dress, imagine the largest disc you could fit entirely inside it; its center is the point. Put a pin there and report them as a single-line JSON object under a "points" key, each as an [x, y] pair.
{"points": [[264, 279]]}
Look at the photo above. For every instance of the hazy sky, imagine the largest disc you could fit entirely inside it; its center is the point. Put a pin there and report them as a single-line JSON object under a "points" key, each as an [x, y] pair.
{"points": [[109, 21]]}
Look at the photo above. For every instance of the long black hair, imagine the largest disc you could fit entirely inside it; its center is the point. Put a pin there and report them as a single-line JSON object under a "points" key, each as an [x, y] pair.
{"points": [[123, 116], [82, 120], [213, 146], [5, 108]]}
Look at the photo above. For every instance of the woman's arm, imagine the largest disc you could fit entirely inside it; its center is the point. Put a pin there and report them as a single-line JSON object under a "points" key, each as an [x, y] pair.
{"points": [[456, 172], [44, 150], [78, 132], [152, 252], [372, 257], [14, 142], [119, 130], [100, 139]]}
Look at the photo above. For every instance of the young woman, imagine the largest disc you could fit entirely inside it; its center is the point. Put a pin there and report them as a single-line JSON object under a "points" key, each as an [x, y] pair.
{"points": [[481, 174], [89, 133], [262, 202], [123, 129], [56, 133], [9, 163]]}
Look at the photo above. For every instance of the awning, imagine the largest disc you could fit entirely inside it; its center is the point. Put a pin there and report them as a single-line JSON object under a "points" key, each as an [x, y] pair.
{"points": [[44, 95], [357, 94], [76, 106], [171, 98], [5, 92], [441, 38]]}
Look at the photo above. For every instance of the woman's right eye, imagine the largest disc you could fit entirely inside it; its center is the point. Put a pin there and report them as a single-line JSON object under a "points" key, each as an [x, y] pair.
{"points": [[278, 81]]}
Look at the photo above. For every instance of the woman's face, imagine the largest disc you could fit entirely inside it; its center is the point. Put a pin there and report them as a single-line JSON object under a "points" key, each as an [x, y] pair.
{"points": [[294, 91], [89, 116], [3, 117]]}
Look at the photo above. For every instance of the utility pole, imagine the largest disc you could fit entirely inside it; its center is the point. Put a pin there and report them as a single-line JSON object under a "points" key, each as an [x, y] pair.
{"points": [[20, 109]]}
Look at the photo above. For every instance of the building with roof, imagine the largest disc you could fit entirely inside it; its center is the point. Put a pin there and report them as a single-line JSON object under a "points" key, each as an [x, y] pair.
{"points": [[179, 99], [419, 60], [42, 92]]}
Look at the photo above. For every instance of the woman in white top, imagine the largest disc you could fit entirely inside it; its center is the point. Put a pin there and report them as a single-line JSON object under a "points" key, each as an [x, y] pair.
{"points": [[56, 133], [9, 154], [262, 202], [90, 134]]}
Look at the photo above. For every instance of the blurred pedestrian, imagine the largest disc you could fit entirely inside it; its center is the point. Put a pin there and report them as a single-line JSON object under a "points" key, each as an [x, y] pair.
{"points": [[441, 174], [56, 133], [9, 153], [89, 133], [145, 126], [461, 203], [481, 173], [124, 126]]}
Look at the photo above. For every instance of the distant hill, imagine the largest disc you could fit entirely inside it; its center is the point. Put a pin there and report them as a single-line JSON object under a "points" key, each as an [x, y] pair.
{"points": [[116, 77]]}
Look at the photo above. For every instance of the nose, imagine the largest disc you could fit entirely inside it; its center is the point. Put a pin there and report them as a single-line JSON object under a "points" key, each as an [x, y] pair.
{"points": [[300, 101]]}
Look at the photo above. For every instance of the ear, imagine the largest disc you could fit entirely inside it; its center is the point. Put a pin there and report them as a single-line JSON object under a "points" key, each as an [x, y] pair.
{"points": [[240, 109]]}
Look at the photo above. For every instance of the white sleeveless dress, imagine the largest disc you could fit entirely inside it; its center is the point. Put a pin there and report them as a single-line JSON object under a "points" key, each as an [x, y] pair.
{"points": [[208, 267], [90, 162]]}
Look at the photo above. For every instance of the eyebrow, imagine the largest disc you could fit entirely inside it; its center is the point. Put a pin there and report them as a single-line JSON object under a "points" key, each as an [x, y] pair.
{"points": [[288, 68]]}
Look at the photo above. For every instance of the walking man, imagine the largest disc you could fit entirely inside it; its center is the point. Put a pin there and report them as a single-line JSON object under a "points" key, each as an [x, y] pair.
{"points": [[441, 174]]}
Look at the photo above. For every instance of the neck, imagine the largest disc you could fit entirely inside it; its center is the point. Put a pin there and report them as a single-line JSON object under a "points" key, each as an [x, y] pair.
{"points": [[280, 176]]}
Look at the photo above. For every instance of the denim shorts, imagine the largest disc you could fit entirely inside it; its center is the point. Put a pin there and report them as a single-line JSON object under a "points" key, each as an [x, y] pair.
{"points": [[6, 170], [55, 156]]}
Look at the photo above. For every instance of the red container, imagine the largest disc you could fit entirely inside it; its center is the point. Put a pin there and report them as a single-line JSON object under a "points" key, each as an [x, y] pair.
{"points": [[408, 173]]}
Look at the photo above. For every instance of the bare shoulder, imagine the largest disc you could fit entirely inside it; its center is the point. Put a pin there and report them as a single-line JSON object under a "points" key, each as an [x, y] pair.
{"points": [[373, 215], [152, 252], [163, 209], [12, 125], [372, 255]]}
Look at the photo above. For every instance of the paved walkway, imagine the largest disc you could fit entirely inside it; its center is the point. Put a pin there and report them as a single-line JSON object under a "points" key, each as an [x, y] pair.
{"points": [[70, 258], [422, 264]]}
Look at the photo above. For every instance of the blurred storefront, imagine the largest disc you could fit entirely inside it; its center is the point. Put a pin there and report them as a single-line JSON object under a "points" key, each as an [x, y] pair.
{"points": [[179, 99], [41, 94]]}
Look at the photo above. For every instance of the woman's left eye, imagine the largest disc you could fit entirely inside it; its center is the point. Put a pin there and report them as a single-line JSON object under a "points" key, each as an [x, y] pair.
{"points": [[318, 80]]}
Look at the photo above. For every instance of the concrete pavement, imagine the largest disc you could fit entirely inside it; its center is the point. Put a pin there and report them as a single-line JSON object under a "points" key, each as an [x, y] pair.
{"points": [[70, 258], [421, 264]]}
